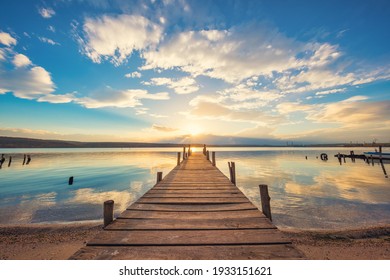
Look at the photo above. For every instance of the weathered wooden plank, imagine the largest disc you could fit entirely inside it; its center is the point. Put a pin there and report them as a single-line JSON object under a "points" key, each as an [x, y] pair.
{"points": [[192, 237], [194, 200], [192, 208], [193, 191], [134, 214], [190, 224], [194, 195], [240, 252]]}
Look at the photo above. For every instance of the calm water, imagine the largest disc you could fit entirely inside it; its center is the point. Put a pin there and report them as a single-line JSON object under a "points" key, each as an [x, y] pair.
{"points": [[310, 194]]}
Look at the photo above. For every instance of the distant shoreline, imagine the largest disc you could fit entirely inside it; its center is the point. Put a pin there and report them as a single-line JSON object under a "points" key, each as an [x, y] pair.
{"points": [[17, 142]]}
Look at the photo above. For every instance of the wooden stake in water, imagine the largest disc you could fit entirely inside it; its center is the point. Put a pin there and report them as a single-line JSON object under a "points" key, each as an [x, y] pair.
{"points": [[232, 171], [159, 176], [265, 201], [178, 158], [108, 212]]}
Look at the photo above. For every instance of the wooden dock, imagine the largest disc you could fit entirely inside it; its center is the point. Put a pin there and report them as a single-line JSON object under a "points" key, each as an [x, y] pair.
{"points": [[195, 212]]}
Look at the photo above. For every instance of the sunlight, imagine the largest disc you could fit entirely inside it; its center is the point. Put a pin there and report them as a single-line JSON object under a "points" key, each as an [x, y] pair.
{"points": [[194, 129]]}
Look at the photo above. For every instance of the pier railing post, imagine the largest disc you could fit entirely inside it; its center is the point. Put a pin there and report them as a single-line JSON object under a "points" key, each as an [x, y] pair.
{"points": [[265, 201], [213, 157], [108, 212], [204, 149], [208, 155], [184, 153], [232, 171], [178, 158], [159, 176]]}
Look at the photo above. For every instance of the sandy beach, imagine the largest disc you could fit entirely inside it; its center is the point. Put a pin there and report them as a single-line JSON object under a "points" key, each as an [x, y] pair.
{"points": [[60, 241]]}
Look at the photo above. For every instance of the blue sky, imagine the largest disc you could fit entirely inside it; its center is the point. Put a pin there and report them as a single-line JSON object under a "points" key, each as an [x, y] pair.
{"points": [[179, 71]]}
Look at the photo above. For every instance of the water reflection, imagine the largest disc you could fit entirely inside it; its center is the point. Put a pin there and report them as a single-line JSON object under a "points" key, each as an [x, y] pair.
{"points": [[305, 193], [40, 192], [313, 193]]}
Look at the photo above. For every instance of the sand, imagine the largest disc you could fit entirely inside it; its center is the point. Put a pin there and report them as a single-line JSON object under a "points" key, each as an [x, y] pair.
{"points": [[59, 242]]}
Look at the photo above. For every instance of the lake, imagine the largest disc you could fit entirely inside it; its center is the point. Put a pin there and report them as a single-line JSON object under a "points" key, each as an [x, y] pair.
{"points": [[305, 193]]}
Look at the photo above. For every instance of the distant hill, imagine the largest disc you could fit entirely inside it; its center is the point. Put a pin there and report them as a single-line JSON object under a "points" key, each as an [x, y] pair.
{"points": [[16, 142]]}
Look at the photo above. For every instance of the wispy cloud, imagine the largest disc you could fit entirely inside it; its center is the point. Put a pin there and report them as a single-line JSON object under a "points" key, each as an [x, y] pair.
{"points": [[46, 12], [133, 75], [184, 85], [163, 128], [48, 41], [119, 98], [114, 38]]}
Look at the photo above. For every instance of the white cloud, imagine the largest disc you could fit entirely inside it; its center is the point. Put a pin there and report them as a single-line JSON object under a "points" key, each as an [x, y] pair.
{"points": [[46, 12], [57, 98], [133, 75], [27, 82], [114, 38], [184, 85], [119, 98], [238, 53], [20, 60], [7, 39], [355, 111], [48, 41], [337, 90]]}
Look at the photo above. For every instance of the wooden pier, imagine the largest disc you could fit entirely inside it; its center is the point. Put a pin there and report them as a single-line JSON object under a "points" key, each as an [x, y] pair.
{"points": [[195, 212]]}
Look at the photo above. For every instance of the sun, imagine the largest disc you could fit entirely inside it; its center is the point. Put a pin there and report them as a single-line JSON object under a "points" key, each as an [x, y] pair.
{"points": [[194, 129]]}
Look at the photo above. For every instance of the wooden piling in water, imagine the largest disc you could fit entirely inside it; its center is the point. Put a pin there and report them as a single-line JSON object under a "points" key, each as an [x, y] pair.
{"points": [[178, 158], [265, 201], [108, 212], [159, 176], [70, 181], [208, 155], [24, 159], [232, 171], [213, 158], [9, 162]]}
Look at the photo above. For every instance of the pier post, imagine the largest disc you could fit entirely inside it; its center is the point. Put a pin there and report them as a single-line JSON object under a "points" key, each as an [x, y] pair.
{"points": [[213, 157], [184, 153], [189, 150], [265, 201], [108, 212], [208, 155], [70, 181], [10, 160], [232, 171], [204, 149], [159, 176], [178, 158], [24, 159]]}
